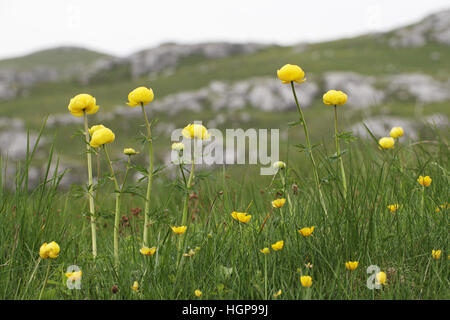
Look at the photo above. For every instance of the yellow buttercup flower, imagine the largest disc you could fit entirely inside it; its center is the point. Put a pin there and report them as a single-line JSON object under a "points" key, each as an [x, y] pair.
{"points": [[424, 181], [198, 293], [135, 286], [306, 232], [306, 281], [130, 151], [95, 128], [74, 275], [443, 206], [334, 98], [393, 207], [102, 136], [396, 132], [291, 73], [265, 250], [436, 254], [278, 203], [386, 143], [140, 96], [179, 230], [278, 245], [49, 250], [178, 146], [148, 251], [278, 293], [351, 265], [82, 103], [241, 216], [195, 130], [381, 277]]}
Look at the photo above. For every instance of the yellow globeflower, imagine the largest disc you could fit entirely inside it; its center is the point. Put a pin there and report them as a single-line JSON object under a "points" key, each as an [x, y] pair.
{"points": [[393, 207], [265, 250], [241, 216], [140, 96], [334, 98], [278, 203], [195, 130], [396, 132], [95, 128], [291, 73], [424, 181], [130, 151], [82, 103], [436, 254], [135, 286], [278, 293], [74, 275], [198, 293], [351, 265], [278, 245], [306, 281], [49, 250], [386, 143], [381, 277], [101, 137], [148, 251], [306, 232], [178, 146], [179, 230]]}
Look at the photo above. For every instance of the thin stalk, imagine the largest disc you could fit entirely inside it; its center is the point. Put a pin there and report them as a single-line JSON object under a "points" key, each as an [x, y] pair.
{"points": [[338, 153], [265, 277], [150, 178], [286, 193], [117, 213], [46, 279], [90, 188], [308, 142]]}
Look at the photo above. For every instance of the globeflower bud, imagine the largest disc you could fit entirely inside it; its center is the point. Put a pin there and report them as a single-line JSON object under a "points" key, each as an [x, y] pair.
{"points": [[291, 73], [82, 103], [396, 132], [386, 143], [178, 146], [306, 281], [198, 131], [130, 151], [49, 250], [101, 137], [140, 96], [334, 98], [279, 165]]}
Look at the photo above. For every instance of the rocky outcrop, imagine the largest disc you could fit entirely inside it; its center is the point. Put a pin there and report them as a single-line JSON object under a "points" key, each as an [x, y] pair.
{"points": [[434, 28]]}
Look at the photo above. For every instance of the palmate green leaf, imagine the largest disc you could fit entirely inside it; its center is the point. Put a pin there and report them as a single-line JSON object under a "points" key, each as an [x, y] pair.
{"points": [[335, 156], [347, 136]]}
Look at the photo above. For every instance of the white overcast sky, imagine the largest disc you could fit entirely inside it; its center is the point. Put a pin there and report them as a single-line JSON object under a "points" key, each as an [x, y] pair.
{"points": [[123, 27]]}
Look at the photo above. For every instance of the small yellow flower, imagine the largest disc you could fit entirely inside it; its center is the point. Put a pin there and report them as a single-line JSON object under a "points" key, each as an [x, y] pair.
{"points": [[198, 293], [279, 165], [135, 286], [130, 151], [278, 203], [381, 277], [140, 96], [443, 206], [424, 181], [277, 294], [178, 146], [179, 230], [351, 265], [241, 216], [396, 132], [334, 98], [191, 253], [82, 103], [74, 275], [95, 128], [101, 137], [195, 130], [265, 250], [386, 143], [306, 281], [148, 251], [306, 232], [393, 207], [278, 245], [291, 73], [49, 250], [436, 254]]}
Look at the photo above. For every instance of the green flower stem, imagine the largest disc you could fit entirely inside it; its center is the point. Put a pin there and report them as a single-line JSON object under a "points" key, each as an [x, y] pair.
{"points": [[265, 277], [308, 142], [117, 213], [45, 280], [338, 153], [288, 197], [90, 188], [150, 178]]}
